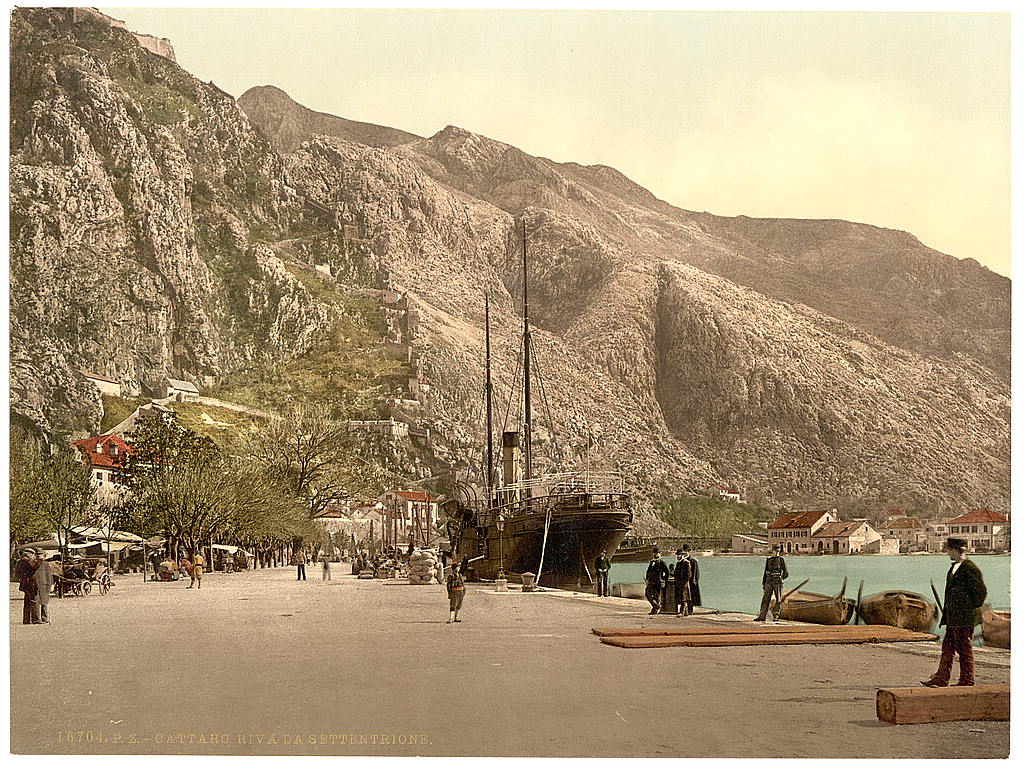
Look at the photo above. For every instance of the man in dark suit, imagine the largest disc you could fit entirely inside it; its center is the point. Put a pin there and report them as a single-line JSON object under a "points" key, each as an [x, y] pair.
{"points": [[965, 593], [601, 567], [682, 575], [771, 581], [656, 578]]}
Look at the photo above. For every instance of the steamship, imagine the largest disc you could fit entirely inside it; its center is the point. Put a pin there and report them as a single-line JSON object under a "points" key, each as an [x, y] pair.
{"points": [[553, 526]]}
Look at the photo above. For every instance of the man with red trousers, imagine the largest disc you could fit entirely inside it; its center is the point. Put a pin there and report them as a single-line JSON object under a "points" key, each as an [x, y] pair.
{"points": [[965, 593]]}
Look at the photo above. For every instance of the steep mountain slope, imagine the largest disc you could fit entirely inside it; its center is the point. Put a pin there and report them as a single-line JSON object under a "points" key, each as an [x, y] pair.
{"points": [[691, 374], [159, 230], [140, 198]]}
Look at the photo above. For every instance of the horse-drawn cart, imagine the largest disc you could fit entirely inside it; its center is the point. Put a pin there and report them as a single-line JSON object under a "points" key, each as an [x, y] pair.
{"points": [[76, 577]]}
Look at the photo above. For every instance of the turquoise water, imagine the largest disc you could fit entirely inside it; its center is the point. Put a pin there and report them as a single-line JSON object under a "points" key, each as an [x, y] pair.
{"points": [[733, 583]]}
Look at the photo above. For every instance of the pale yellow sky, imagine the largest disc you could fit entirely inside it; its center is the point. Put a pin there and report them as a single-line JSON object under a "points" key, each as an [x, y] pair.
{"points": [[899, 120]]}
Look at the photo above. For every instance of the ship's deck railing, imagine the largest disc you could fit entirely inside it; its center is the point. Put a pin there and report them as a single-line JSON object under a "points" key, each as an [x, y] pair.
{"points": [[563, 483]]}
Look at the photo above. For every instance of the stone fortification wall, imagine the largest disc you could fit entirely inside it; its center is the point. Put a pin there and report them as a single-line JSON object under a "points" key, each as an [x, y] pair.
{"points": [[159, 46]]}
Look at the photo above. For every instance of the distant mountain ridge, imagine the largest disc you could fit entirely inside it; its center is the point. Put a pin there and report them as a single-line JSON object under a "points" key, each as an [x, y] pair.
{"points": [[287, 124], [159, 228]]}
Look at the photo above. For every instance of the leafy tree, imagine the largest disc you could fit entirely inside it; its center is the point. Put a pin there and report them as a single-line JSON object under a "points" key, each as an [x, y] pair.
{"points": [[181, 485], [26, 463], [314, 457], [50, 492], [705, 517]]}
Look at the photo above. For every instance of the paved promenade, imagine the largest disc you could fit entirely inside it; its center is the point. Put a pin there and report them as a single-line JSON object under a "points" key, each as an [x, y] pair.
{"points": [[257, 663]]}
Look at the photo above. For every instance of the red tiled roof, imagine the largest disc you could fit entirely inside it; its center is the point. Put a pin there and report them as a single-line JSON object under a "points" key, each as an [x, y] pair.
{"points": [[838, 529], [415, 496], [97, 377], [903, 523], [104, 457], [802, 520], [981, 516]]}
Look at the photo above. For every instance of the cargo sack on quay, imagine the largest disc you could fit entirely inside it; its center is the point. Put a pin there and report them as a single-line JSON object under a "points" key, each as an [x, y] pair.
{"points": [[425, 568]]}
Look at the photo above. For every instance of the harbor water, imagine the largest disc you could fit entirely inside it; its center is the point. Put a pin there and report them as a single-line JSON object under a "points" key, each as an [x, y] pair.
{"points": [[733, 583]]}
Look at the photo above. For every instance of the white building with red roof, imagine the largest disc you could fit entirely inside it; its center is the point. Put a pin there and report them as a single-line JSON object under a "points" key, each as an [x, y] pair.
{"points": [[104, 454], [793, 530], [983, 530], [845, 537]]}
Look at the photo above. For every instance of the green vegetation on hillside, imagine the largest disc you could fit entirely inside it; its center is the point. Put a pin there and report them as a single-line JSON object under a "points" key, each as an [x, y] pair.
{"points": [[707, 517], [116, 410], [221, 425], [350, 370]]}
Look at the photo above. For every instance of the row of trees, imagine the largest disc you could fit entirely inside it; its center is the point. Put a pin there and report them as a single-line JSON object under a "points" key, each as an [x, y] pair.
{"points": [[179, 484]]}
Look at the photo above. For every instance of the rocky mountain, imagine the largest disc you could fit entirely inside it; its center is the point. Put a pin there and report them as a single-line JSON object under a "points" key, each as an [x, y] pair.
{"points": [[806, 362], [288, 124]]}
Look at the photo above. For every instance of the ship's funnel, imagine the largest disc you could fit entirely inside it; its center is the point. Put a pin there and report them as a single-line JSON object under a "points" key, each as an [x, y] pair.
{"points": [[510, 457]]}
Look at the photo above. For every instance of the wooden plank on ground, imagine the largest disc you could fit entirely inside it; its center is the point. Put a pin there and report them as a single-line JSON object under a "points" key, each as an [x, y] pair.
{"points": [[756, 638], [723, 630], [914, 705]]}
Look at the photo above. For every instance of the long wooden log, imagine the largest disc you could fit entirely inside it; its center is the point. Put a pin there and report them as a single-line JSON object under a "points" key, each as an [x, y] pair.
{"points": [[728, 630], [914, 705], [859, 636]]}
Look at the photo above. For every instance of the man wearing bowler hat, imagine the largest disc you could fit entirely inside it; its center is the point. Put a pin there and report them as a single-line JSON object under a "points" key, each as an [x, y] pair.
{"points": [[965, 593]]}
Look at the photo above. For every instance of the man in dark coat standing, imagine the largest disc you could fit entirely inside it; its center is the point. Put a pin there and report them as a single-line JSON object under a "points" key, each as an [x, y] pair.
{"points": [[965, 593], [601, 567], [656, 578], [692, 591], [682, 575], [771, 581], [25, 571]]}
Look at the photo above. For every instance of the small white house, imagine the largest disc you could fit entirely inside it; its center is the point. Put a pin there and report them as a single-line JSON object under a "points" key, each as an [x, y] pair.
{"points": [[107, 386], [179, 390]]}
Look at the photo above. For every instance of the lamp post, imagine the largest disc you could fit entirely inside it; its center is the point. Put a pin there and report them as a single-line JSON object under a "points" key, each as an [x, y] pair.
{"points": [[501, 546]]}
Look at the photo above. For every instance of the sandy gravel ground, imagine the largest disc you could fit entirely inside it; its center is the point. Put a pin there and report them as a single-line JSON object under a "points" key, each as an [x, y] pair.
{"points": [[257, 663]]}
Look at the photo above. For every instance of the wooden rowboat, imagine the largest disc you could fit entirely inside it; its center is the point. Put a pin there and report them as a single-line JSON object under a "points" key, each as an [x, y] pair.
{"points": [[899, 608], [995, 627], [817, 607]]}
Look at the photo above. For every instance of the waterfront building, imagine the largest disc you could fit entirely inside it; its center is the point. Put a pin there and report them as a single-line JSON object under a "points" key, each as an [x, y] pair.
{"points": [[984, 530], [846, 537], [887, 514], [935, 535], [793, 530], [908, 530], [750, 543]]}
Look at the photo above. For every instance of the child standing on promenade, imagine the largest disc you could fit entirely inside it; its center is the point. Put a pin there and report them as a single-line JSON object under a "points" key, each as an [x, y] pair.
{"points": [[456, 592]]}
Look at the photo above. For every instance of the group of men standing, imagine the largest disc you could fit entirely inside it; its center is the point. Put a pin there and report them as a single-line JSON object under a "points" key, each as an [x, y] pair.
{"points": [[685, 576], [35, 579]]}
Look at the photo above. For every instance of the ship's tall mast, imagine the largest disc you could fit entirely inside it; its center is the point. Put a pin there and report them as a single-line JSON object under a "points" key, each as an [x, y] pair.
{"points": [[488, 389], [527, 419]]}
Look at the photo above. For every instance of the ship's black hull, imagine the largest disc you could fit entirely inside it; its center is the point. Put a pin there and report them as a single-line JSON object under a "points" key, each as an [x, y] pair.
{"points": [[575, 538]]}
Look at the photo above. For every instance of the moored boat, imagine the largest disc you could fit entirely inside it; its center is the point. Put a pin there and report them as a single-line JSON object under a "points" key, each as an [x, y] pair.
{"points": [[635, 552], [899, 608], [808, 607], [995, 627], [553, 526]]}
